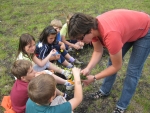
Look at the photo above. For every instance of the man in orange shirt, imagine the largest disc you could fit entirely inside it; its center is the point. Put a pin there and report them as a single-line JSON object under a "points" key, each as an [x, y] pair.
{"points": [[118, 30]]}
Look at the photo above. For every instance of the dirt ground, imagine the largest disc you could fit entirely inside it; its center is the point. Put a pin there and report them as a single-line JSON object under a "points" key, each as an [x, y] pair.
{"points": [[104, 105], [107, 105], [88, 105]]}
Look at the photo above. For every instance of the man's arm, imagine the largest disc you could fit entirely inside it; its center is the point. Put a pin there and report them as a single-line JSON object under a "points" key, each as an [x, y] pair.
{"points": [[96, 56], [116, 66]]}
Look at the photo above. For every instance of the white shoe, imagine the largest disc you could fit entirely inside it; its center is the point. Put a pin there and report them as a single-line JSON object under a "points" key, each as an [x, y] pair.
{"points": [[70, 85], [68, 74], [48, 72], [70, 50]]}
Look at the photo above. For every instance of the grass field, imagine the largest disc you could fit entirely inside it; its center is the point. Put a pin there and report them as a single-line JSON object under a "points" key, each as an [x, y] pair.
{"points": [[32, 16]]}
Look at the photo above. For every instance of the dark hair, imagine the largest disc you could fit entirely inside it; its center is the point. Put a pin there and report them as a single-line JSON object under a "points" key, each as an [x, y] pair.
{"points": [[24, 40], [46, 32], [20, 68], [81, 24], [42, 88]]}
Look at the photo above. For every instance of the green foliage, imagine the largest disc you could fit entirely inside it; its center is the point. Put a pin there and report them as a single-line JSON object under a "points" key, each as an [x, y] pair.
{"points": [[83, 77], [5, 84]]}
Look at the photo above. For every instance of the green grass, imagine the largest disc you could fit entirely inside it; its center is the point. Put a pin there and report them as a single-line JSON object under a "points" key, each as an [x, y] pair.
{"points": [[31, 16]]}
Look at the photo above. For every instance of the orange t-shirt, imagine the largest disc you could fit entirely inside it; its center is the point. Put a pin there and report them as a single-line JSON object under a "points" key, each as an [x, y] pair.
{"points": [[120, 26]]}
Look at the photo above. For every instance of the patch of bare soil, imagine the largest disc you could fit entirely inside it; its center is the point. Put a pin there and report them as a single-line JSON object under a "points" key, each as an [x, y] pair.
{"points": [[88, 105], [104, 105]]}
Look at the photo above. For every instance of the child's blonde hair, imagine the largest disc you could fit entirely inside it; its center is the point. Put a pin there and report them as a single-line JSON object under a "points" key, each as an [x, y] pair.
{"points": [[68, 17], [56, 23]]}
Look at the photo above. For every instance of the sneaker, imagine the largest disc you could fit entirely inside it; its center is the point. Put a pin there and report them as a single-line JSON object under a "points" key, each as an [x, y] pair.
{"points": [[48, 72], [69, 85], [70, 50], [68, 96], [118, 110], [77, 62], [15, 77], [65, 95], [97, 95], [67, 74]]}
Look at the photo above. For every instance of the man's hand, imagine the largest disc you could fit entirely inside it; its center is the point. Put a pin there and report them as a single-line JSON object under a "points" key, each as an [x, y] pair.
{"points": [[90, 79], [85, 71]]}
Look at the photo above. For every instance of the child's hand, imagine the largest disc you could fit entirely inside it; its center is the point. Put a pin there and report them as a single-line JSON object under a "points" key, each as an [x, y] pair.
{"points": [[62, 47], [76, 71], [57, 57], [39, 73], [53, 52], [76, 46], [81, 44]]}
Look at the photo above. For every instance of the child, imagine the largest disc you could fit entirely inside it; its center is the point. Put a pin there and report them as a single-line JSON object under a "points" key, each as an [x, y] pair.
{"points": [[26, 51], [47, 42], [57, 24], [42, 95], [23, 70], [65, 39]]}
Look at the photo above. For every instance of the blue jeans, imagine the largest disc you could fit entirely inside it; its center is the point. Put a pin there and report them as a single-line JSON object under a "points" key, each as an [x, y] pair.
{"points": [[62, 54], [140, 52]]}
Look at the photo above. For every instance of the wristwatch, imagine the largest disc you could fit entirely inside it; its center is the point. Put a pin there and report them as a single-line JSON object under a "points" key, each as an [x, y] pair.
{"points": [[94, 78]]}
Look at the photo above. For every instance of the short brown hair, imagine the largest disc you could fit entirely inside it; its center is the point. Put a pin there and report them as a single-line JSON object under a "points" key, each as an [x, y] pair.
{"points": [[81, 24], [56, 23], [42, 88], [20, 68]]}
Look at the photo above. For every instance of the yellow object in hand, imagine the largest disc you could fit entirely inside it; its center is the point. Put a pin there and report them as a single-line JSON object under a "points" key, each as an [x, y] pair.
{"points": [[61, 50]]}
